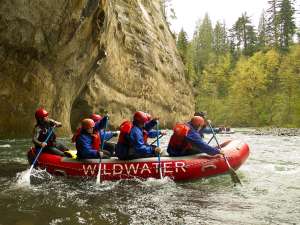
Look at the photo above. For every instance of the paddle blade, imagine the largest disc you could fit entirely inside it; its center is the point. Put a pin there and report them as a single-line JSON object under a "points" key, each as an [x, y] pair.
{"points": [[98, 180], [234, 176], [98, 175]]}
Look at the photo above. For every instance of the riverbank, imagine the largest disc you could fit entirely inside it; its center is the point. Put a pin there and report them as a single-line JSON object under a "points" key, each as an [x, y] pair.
{"points": [[268, 131], [277, 131]]}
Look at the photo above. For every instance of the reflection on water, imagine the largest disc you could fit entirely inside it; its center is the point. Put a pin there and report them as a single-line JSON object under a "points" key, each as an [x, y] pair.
{"points": [[270, 193]]}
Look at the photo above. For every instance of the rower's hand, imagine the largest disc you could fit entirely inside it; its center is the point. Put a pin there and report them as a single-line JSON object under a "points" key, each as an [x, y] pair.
{"points": [[107, 116], [157, 150], [222, 152], [115, 134], [163, 132], [58, 124], [207, 121], [44, 144]]}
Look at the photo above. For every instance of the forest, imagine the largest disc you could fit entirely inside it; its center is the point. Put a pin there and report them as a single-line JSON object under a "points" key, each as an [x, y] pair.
{"points": [[246, 75]]}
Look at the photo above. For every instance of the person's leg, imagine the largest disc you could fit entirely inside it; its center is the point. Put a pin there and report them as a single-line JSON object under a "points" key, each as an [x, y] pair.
{"points": [[105, 154], [61, 146], [139, 156], [110, 147], [88, 155], [53, 150]]}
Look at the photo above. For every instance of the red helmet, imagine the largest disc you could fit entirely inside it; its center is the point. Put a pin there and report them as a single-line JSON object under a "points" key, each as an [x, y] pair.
{"points": [[140, 117], [149, 117], [181, 129], [198, 121], [96, 117], [41, 113], [87, 123]]}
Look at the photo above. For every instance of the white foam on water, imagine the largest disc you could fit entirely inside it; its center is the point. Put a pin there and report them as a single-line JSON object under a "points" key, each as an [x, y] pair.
{"points": [[106, 185], [157, 182], [5, 146], [23, 179]]}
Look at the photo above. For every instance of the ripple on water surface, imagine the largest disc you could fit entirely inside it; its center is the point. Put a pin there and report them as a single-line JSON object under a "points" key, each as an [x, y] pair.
{"points": [[269, 195]]}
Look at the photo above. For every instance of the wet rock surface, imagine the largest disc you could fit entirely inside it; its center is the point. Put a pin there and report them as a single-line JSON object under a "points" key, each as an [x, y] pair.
{"points": [[83, 56], [277, 131]]}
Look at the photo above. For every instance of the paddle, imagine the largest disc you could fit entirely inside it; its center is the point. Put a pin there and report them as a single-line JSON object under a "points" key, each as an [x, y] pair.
{"points": [[158, 155], [98, 180], [40, 151], [233, 175], [160, 136], [210, 139], [108, 139]]}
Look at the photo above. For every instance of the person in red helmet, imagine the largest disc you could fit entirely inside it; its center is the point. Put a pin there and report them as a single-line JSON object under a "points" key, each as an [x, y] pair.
{"points": [[205, 129], [108, 135], [98, 137], [41, 131], [186, 139], [85, 143], [96, 117], [132, 143]]}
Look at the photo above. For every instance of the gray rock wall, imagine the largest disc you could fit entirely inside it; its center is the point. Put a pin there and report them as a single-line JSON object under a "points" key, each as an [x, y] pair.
{"points": [[52, 54]]}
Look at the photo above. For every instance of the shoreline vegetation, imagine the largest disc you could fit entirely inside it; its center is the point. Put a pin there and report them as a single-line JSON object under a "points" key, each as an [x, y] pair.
{"points": [[246, 76]]}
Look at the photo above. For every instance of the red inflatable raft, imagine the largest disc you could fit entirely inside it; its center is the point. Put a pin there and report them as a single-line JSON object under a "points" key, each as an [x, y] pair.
{"points": [[177, 168]]}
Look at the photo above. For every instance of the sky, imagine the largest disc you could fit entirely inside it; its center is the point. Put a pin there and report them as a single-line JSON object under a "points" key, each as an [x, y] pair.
{"points": [[188, 12]]}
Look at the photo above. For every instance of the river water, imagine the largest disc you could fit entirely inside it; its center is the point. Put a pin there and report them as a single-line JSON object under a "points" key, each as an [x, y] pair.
{"points": [[270, 193]]}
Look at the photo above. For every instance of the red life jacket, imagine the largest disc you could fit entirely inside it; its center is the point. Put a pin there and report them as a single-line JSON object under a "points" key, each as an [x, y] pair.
{"points": [[96, 140], [76, 135], [43, 133], [145, 136], [178, 139], [125, 129]]}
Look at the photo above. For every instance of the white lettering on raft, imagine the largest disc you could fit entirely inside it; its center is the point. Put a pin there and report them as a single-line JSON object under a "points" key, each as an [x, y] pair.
{"points": [[180, 165], [131, 168], [90, 168], [145, 168], [134, 169]]}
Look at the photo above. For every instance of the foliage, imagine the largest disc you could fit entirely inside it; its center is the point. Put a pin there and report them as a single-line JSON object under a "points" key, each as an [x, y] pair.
{"points": [[287, 24], [182, 45], [245, 77], [262, 32]]}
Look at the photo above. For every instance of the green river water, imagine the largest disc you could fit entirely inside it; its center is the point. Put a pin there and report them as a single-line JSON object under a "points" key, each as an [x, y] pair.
{"points": [[270, 193]]}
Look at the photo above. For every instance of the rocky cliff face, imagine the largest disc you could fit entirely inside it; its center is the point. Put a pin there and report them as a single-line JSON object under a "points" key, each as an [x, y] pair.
{"points": [[75, 57]]}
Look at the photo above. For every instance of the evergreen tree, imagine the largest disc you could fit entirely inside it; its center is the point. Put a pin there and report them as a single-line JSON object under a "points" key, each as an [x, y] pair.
{"points": [[203, 42], [245, 35], [251, 41], [273, 23], [287, 24], [233, 45], [182, 45], [189, 66], [220, 43], [262, 32]]}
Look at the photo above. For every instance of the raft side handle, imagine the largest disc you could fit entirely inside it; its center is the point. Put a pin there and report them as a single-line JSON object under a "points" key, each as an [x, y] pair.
{"points": [[205, 167]]}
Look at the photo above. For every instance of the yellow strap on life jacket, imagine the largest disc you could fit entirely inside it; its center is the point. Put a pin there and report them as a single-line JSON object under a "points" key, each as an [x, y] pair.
{"points": [[71, 154]]}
